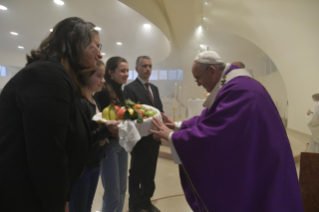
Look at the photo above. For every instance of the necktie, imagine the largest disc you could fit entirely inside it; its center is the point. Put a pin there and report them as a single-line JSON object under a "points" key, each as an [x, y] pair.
{"points": [[149, 93]]}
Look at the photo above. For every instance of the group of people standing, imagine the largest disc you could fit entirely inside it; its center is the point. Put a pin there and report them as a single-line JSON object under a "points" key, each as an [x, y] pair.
{"points": [[234, 157], [51, 152]]}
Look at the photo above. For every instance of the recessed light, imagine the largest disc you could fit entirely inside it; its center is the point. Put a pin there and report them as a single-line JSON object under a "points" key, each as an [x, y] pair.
{"points": [[3, 7], [102, 53], [14, 33], [147, 26], [97, 28], [119, 43], [203, 46], [59, 2], [51, 30], [206, 3], [204, 18], [20, 47]]}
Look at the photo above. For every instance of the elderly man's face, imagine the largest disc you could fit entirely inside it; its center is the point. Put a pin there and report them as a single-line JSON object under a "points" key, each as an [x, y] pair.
{"points": [[205, 75]]}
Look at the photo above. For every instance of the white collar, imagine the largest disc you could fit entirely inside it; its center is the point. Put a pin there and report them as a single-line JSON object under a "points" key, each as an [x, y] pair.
{"points": [[233, 74], [142, 81]]}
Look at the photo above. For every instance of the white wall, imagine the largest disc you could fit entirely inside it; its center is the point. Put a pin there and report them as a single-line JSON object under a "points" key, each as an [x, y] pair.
{"points": [[277, 90]]}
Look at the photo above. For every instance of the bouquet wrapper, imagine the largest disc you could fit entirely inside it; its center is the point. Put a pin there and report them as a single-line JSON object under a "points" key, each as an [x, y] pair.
{"points": [[130, 132]]}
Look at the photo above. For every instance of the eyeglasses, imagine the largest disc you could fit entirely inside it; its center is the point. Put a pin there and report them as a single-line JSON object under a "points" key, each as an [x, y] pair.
{"points": [[198, 78], [99, 46]]}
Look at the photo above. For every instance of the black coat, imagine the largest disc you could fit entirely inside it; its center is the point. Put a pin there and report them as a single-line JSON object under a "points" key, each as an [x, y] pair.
{"points": [[137, 93], [44, 138], [98, 133]]}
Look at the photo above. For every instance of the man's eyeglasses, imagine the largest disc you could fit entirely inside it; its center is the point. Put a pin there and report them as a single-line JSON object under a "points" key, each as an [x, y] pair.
{"points": [[198, 78]]}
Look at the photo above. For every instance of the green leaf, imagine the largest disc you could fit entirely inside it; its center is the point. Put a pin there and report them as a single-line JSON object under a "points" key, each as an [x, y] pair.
{"points": [[126, 115], [139, 117], [129, 103]]}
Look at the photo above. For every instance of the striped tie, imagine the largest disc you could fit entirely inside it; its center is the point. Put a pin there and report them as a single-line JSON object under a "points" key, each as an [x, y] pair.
{"points": [[149, 93]]}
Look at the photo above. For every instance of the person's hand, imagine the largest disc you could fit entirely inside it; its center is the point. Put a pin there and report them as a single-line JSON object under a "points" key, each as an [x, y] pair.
{"points": [[102, 142], [112, 127], [156, 137], [309, 112], [168, 122], [66, 209], [163, 130]]}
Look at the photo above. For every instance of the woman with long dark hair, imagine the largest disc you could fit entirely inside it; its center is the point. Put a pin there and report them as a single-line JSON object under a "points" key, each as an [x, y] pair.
{"points": [[44, 134], [114, 164]]}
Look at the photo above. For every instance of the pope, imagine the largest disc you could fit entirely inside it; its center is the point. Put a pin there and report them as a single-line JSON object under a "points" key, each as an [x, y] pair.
{"points": [[236, 155]]}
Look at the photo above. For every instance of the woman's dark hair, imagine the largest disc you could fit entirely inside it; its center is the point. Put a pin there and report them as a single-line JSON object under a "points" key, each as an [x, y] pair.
{"points": [[83, 77], [68, 40], [112, 64]]}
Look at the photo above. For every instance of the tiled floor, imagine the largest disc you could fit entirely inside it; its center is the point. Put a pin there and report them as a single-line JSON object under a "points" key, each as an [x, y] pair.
{"points": [[168, 196]]}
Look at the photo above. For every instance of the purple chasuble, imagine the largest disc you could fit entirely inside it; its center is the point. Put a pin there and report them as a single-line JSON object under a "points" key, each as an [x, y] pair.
{"points": [[236, 156]]}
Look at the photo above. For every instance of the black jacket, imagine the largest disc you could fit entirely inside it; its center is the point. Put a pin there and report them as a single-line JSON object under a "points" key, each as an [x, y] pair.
{"points": [[103, 97], [137, 93], [44, 138], [98, 133]]}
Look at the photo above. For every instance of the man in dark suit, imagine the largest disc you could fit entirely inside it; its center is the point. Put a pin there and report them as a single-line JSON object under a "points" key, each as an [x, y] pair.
{"points": [[145, 153]]}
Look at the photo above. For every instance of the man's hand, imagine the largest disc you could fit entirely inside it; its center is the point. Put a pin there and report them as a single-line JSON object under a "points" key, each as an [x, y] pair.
{"points": [[163, 131], [309, 112], [168, 122], [112, 127]]}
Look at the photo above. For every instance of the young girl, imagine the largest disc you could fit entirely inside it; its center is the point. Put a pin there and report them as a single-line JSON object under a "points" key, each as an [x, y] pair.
{"points": [[114, 164], [84, 189]]}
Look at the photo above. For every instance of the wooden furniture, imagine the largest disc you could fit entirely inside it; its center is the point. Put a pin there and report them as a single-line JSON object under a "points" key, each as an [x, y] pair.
{"points": [[309, 181]]}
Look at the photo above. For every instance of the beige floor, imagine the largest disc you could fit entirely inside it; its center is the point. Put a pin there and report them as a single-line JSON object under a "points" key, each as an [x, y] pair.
{"points": [[168, 196]]}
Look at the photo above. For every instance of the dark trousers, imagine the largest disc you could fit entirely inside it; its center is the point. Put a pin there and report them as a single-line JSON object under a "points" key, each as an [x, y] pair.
{"points": [[83, 191], [142, 172]]}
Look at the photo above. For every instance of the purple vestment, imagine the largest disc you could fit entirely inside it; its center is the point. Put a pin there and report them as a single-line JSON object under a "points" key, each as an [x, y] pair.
{"points": [[236, 155]]}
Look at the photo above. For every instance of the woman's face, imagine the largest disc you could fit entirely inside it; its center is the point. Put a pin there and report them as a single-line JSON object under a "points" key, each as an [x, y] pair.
{"points": [[96, 81], [120, 74], [92, 54]]}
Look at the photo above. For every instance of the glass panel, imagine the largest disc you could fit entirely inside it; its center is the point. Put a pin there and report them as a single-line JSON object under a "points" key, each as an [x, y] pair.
{"points": [[172, 74], [163, 74], [135, 75], [154, 75], [180, 75], [3, 71], [130, 75]]}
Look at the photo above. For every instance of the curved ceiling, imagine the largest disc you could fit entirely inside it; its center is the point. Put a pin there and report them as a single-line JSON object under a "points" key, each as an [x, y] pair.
{"points": [[32, 19], [286, 30]]}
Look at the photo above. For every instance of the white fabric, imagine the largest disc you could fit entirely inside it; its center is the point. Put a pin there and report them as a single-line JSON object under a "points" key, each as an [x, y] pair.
{"points": [[178, 125], [233, 74], [176, 158], [195, 107], [313, 147], [130, 132], [313, 125], [128, 135], [208, 57], [315, 110]]}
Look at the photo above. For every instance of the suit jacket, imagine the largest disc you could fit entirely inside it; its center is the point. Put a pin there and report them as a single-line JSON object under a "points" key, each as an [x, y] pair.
{"points": [[137, 92], [44, 138]]}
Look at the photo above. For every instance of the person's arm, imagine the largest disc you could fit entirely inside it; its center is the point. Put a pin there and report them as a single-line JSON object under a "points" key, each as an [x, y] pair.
{"points": [[45, 103]]}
